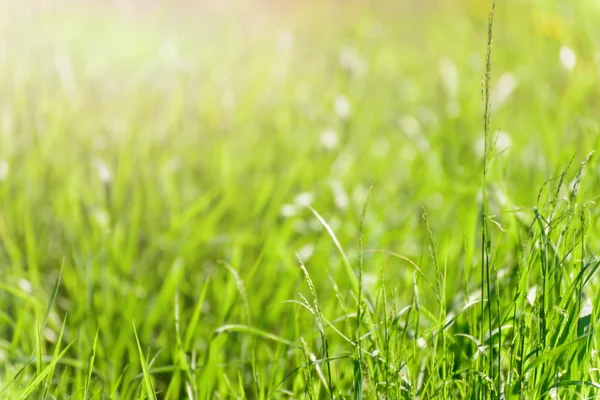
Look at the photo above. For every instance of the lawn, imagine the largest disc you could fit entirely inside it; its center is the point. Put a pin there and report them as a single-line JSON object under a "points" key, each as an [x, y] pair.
{"points": [[299, 200]]}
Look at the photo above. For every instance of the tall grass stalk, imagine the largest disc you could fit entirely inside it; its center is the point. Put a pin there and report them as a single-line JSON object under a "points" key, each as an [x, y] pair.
{"points": [[486, 244]]}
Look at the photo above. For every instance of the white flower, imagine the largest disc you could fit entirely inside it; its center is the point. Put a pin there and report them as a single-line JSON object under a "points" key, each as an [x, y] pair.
{"points": [[304, 199], [567, 58], [342, 106], [329, 139]]}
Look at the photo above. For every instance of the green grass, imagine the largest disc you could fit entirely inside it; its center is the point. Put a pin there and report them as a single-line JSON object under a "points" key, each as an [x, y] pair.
{"points": [[301, 201]]}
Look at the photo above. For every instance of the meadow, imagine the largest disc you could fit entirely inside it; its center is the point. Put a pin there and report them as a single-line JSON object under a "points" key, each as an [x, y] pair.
{"points": [[318, 200]]}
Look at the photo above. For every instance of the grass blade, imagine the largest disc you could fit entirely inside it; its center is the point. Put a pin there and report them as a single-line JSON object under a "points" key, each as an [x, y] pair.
{"points": [[148, 385]]}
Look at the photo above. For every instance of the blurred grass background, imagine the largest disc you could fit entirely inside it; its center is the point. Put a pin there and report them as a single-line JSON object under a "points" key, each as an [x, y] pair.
{"points": [[144, 144]]}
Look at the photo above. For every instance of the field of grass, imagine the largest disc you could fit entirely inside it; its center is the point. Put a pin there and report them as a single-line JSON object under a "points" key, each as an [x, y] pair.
{"points": [[299, 200]]}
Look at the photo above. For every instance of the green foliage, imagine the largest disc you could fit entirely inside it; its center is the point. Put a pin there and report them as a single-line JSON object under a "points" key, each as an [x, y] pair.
{"points": [[213, 189]]}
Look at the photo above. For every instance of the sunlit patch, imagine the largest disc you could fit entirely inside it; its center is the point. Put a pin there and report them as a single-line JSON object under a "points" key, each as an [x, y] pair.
{"points": [[306, 252], [284, 42], [302, 92], [103, 171], [66, 74], [409, 125], [422, 144], [500, 197], [343, 163], [479, 196], [475, 62], [300, 226], [330, 139], [340, 197], [50, 335], [503, 273], [452, 109], [427, 117], [7, 122], [436, 201], [287, 210], [503, 90], [172, 165], [351, 62], [449, 78], [531, 295], [409, 91], [380, 147], [474, 296], [359, 195], [405, 373], [533, 157], [407, 153], [587, 308], [370, 281], [502, 141], [342, 107], [567, 58], [228, 99], [100, 142], [102, 218], [4, 168]]}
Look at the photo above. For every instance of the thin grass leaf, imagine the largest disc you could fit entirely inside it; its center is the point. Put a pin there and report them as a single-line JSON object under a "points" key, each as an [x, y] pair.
{"points": [[192, 326], [55, 356], [148, 385], [34, 383], [347, 265], [17, 375], [252, 331], [88, 378]]}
